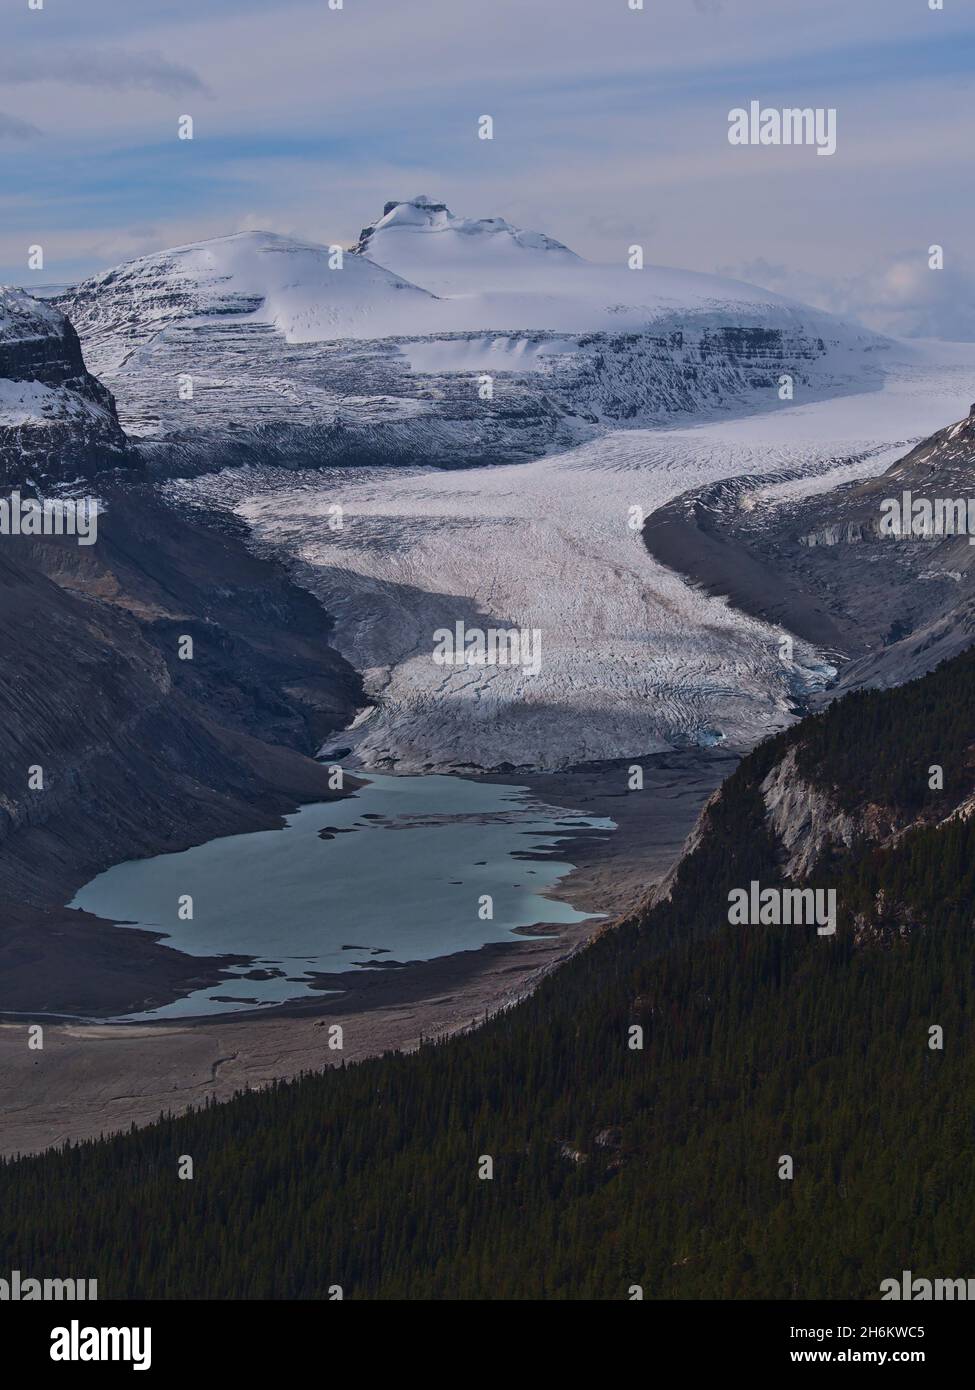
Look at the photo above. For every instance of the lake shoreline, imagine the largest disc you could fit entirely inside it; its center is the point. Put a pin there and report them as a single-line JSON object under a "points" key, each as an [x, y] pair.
{"points": [[102, 1077], [301, 912]]}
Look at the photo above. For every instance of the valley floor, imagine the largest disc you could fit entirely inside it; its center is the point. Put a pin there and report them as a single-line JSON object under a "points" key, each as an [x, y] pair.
{"points": [[635, 662]]}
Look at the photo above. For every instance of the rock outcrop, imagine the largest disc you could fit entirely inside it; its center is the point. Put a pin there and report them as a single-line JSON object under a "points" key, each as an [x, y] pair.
{"points": [[57, 422], [804, 818]]}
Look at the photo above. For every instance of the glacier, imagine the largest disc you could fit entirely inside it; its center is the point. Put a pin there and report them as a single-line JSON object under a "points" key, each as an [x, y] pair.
{"points": [[326, 384], [634, 658]]}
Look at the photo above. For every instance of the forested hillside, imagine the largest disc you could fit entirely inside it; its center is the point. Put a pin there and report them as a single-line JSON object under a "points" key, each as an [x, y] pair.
{"points": [[613, 1165], [880, 747]]}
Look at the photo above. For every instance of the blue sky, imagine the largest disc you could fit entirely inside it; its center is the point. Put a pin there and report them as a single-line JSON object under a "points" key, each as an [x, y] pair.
{"points": [[610, 127]]}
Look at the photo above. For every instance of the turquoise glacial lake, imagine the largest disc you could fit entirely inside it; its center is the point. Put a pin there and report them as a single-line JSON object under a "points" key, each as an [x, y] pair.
{"points": [[400, 877]]}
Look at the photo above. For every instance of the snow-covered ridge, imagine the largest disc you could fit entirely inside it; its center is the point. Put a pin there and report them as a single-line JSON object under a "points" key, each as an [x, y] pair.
{"points": [[420, 271], [487, 263], [297, 354], [424, 242], [267, 278], [23, 318]]}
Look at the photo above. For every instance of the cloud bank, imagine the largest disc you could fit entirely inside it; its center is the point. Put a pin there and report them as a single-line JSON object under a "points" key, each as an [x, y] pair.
{"points": [[900, 296]]}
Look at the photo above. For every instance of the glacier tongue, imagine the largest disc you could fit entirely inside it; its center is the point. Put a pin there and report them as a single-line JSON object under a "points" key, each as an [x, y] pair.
{"points": [[633, 658]]}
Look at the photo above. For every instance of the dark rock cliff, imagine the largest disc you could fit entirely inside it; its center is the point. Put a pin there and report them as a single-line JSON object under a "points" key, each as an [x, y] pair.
{"points": [[57, 422]]}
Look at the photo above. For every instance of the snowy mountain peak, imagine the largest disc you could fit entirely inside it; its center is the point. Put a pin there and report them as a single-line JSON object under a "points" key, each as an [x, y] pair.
{"points": [[306, 292], [422, 214], [23, 317], [425, 242]]}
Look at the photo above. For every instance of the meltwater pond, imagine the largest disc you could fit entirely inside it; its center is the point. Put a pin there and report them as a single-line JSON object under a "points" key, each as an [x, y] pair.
{"points": [[400, 877]]}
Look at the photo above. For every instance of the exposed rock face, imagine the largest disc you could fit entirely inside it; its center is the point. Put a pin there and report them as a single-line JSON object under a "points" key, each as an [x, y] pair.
{"points": [[57, 422], [941, 466], [804, 818], [813, 835]]}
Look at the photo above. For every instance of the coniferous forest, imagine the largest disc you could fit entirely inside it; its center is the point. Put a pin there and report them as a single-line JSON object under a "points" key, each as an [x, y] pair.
{"points": [[616, 1165]]}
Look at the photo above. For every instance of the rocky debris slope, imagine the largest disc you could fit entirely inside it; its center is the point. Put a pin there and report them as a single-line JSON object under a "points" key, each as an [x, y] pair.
{"points": [[161, 758], [824, 566], [57, 422]]}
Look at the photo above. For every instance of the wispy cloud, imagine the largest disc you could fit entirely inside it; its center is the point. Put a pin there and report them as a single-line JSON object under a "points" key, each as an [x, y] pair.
{"points": [[115, 69], [12, 128]]}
